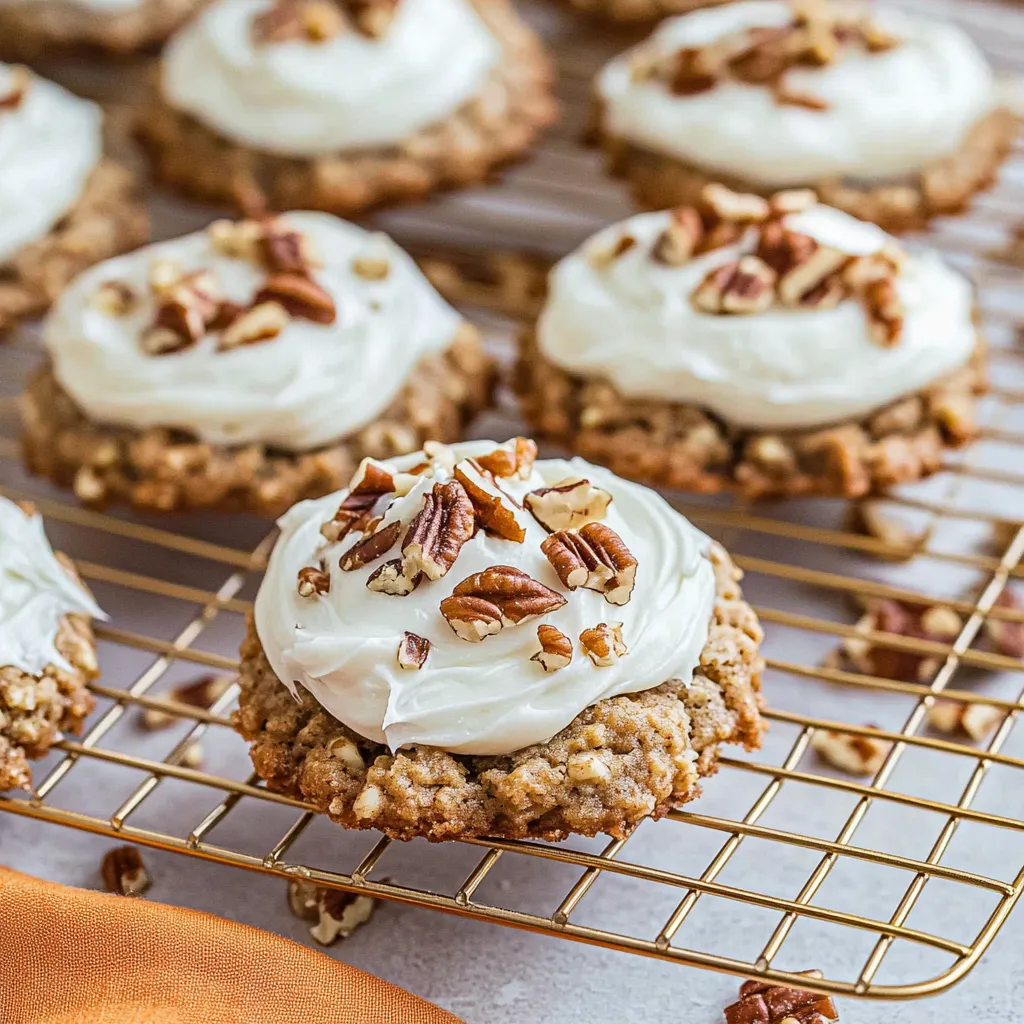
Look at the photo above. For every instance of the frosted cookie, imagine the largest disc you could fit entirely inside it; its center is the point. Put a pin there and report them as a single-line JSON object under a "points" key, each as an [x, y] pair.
{"points": [[892, 117], [47, 653], [773, 347], [466, 642], [31, 29], [344, 104], [63, 205], [246, 367]]}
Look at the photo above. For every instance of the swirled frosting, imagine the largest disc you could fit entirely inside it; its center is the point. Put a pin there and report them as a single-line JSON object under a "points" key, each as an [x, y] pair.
{"points": [[488, 697], [310, 385], [304, 98], [36, 592], [889, 114], [633, 322], [49, 144]]}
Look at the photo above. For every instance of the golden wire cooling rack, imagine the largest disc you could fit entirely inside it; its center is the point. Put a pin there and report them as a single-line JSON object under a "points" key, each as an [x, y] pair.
{"points": [[865, 871]]}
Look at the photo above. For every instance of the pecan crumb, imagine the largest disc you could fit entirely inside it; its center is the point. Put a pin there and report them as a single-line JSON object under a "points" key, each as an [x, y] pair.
{"points": [[413, 651], [603, 643], [746, 285], [514, 459], [856, 755], [124, 872], [336, 914], [763, 1003], [374, 543], [313, 581], [20, 80], [604, 252], [492, 508], [262, 322], [976, 720], [300, 295], [115, 298], [198, 693], [555, 648], [1006, 635], [390, 579]]}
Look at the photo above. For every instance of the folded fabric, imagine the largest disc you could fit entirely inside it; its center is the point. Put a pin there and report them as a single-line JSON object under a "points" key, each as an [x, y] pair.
{"points": [[70, 956]]}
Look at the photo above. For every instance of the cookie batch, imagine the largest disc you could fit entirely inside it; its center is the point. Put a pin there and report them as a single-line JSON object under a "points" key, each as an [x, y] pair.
{"points": [[454, 638]]}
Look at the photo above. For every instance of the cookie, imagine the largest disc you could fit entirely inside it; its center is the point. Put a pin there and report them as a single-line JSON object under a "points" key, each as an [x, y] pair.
{"points": [[468, 643], [342, 106], [772, 348], [63, 205], [47, 652], [890, 117], [246, 367]]}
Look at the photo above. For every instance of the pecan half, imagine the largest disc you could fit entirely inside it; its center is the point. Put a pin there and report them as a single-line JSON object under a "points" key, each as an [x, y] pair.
{"points": [[438, 531], [413, 651], [486, 602], [373, 264], [391, 579], [555, 648], [746, 285], [568, 504], [371, 547], [301, 296], [491, 507], [514, 459], [596, 558], [603, 643], [124, 872], [313, 581], [763, 1003]]}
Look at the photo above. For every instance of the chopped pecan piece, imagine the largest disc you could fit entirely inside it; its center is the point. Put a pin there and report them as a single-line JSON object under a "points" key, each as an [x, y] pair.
{"points": [[492, 508], [484, 603], [371, 547], [302, 898], [373, 263], [746, 285], [1006, 635], [680, 239], [390, 579], [124, 872], [203, 692], [568, 504], [161, 341], [301, 296], [856, 755], [283, 250], [339, 914], [371, 482], [372, 17], [313, 581], [603, 252], [514, 459], [691, 72], [115, 298], [555, 648], [438, 531], [20, 80], [237, 239], [808, 274], [794, 200], [790, 98], [885, 311], [977, 720], [736, 207], [603, 643], [260, 323], [764, 1003], [595, 558], [413, 651]]}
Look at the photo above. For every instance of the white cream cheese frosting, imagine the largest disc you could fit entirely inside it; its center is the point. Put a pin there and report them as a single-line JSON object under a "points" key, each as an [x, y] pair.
{"points": [[889, 114], [311, 385], [633, 323], [307, 99], [50, 143], [36, 592], [486, 697]]}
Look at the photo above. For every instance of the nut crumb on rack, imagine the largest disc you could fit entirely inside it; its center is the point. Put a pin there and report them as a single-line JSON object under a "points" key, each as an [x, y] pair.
{"points": [[764, 1003], [1007, 635], [874, 518], [978, 721], [336, 914], [202, 692], [854, 754], [124, 872]]}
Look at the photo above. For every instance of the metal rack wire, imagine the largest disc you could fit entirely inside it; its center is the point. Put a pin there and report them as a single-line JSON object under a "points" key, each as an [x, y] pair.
{"points": [[803, 570]]}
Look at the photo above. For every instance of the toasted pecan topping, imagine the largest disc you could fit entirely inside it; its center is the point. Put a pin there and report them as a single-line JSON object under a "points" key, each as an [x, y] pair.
{"points": [[438, 531], [313, 581], [596, 558], [492, 508], [746, 285], [375, 543], [568, 505], [604, 252], [486, 602], [262, 322], [115, 298], [124, 872], [413, 651], [681, 239], [390, 579], [17, 90], [301, 296], [763, 1003], [555, 648], [514, 459], [321, 20], [603, 643]]}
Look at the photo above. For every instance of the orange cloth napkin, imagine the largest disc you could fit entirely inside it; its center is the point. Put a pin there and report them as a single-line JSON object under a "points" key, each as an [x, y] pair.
{"points": [[69, 956]]}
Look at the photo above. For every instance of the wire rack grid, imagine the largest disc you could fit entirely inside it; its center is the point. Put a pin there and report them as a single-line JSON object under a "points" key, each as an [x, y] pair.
{"points": [[927, 825]]}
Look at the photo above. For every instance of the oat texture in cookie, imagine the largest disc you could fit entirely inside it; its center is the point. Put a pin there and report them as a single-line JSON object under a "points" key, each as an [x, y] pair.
{"points": [[46, 647], [893, 116], [248, 365], [773, 344], [433, 610]]}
